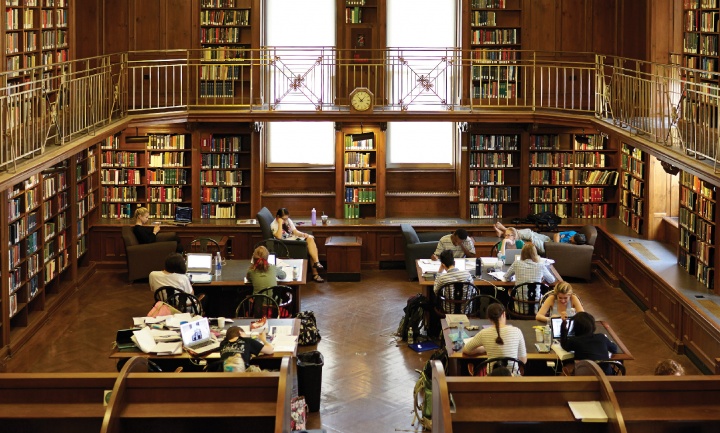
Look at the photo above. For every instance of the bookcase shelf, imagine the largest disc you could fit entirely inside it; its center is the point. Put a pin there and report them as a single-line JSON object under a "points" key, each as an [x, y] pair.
{"points": [[700, 37], [87, 188], [225, 176], [360, 175], [633, 192], [696, 248], [494, 175]]}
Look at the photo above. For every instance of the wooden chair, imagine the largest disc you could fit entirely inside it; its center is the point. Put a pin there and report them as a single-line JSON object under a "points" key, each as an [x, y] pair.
{"points": [[283, 296], [186, 302], [166, 292], [456, 298], [525, 300], [480, 305], [484, 368], [275, 246], [257, 306], [204, 245]]}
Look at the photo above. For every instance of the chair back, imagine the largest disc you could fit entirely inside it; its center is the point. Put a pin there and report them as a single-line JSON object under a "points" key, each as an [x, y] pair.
{"points": [[456, 298], [485, 368], [409, 234], [525, 300], [128, 236], [256, 306], [204, 245], [494, 250], [166, 292], [265, 219], [283, 296], [276, 246], [187, 303], [590, 233], [480, 305], [611, 367]]}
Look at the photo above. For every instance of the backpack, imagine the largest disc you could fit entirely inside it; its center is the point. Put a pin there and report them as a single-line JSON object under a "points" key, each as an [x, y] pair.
{"points": [[309, 333], [414, 317], [422, 393], [545, 221]]}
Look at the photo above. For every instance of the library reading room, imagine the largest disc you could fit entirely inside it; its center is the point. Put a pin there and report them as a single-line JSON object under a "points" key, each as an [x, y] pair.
{"points": [[346, 216]]}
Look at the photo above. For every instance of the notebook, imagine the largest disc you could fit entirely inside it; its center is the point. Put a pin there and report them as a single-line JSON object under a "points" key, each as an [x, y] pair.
{"points": [[556, 323], [199, 263], [511, 256], [183, 215], [196, 336]]}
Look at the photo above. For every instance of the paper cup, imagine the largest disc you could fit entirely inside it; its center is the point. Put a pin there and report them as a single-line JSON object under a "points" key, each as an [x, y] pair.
{"points": [[221, 322], [539, 335]]}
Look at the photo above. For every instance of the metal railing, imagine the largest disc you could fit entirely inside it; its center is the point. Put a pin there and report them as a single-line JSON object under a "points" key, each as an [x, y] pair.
{"points": [[665, 104]]}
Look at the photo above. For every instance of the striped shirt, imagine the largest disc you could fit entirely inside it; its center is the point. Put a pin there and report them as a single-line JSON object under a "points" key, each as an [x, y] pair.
{"points": [[453, 275], [527, 271], [445, 243], [513, 343]]}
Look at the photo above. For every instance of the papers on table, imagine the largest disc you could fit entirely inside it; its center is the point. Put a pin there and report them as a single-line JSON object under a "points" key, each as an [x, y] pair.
{"points": [[430, 266], [145, 340], [288, 273], [284, 343], [169, 321], [561, 353], [588, 411], [499, 275]]}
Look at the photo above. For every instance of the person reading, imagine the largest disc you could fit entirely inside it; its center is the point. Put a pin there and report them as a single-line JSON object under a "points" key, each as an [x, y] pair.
{"points": [[459, 242], [563, 301], [173, 275], [261, 273], [498, 341], [238, 348], [283, 227], [451, 274], [146, 234], [586, 344]]}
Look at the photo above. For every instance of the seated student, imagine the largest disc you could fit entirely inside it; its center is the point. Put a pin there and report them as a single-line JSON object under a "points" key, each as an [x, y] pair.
{"points": [[146, 234], [562, 301], [237, 348], [570, 237], [173, 275], [528, 270], [452, 274], [459, 242], [283, 228], [262, 274], [511, 241], [498, 341], [586, 343], [669, 367], [527, 235]]}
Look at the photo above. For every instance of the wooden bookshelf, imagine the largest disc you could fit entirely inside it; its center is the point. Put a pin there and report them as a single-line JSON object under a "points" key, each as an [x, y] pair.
{"points": [[700, 37], [596, 177], [360, 175], [57, 241], [551, 174], [696, 249], [122, 177], [225, 179], [87, 203], [494, 175], [633, 188], [226, 37], [494, 40]]}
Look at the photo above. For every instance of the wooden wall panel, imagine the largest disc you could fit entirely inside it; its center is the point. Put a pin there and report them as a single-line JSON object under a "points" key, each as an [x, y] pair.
{"points": [[420, 180], [540, 30], [633, 31], [604, 26], [179, 29], [700, 338], [146, 28], [88, 16], [116, 38], [422, 207], [574, 28]]}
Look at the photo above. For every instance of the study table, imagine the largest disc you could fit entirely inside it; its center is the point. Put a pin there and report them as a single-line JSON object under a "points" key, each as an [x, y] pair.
{"points": [[526, 326], [185, 358], [224, 292]]}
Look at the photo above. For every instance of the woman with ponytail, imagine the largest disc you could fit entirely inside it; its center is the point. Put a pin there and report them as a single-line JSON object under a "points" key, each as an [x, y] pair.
{"points": [[262, 274], [498, 341]]}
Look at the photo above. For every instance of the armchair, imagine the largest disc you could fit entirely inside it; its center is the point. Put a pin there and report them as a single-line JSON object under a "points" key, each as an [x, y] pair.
{"points": [[296, 249], [418, 246], [574, 260], [145, 258]]}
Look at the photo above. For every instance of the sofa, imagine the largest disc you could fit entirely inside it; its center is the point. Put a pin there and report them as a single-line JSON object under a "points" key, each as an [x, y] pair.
{"points": [[145, 258], [573, 260], [418, 246]]}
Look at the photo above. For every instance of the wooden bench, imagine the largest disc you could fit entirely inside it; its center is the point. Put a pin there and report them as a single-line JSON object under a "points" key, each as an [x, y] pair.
{"points": [[142, 401]]}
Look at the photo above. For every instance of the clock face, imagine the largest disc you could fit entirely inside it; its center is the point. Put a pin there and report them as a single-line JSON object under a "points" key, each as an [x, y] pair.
{"points": [[361, 100]]}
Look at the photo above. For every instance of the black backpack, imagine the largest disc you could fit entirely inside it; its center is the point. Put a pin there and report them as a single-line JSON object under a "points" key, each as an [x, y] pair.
{"points": [[545, 221], [414, 317], [309, 333]]}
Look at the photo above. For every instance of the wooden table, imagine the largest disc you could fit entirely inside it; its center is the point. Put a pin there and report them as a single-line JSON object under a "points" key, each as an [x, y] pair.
{"points": [[526, 326], [224, 292], [185, 358], [343, 258]]}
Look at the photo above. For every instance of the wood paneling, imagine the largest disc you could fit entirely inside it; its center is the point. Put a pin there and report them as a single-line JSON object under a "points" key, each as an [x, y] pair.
{"points": [[633, 29], [418, 180], [574, 28], [116, 36], [540, 30], [603, 30], [88, 15]]}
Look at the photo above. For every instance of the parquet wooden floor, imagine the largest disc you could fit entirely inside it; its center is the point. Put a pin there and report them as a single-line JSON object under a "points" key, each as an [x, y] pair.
{"points": [[368, 377]]}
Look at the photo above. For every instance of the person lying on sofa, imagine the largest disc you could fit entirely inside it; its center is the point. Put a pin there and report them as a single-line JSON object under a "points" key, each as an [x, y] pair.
{"points": [[527, 235]]}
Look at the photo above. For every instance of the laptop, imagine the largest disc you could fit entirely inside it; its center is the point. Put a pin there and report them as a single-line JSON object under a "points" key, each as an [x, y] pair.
{"points": [[556, 323], [199, 263], [511, 256], [196, 336], [272, 259], [183, 215]]}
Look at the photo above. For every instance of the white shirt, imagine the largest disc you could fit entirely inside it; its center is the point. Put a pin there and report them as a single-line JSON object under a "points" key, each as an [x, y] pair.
{"points": [[161, 278]]}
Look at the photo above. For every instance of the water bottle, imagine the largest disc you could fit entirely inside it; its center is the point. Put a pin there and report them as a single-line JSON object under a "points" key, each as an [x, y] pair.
{"points": [[411, 340], [313, 217], [296, 273], [461, 331], [218, 265], [547, 335], [500, 262], [478, 267]]}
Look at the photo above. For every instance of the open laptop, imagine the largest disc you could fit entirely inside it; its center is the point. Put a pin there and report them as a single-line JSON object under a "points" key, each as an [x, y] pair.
{"points": [[272, 259], [196, 336], [199, 263], [556, 323], [183, 215], [511, 256]]}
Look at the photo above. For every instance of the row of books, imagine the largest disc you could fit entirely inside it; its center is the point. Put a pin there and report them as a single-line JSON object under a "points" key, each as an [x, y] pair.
{"points": [[130, 176], [224, 54], [591, 210], [495, 72], [360, 195], [355, 142], [219, 160], [551, 177], [630, 219], [487, 4], [218, 3], [494, 142], [483, 18], [167, 159], [359, 177], [120, 193], [634, 185], [490, 160], [217, 89], [598, 177], [238, 17], [167, 141], [589, 194], [217, 211], [634, 165], [357, 159], [589, 142], [220, 72], [487, 177], [56, 204], [494, 90], [353, 15], [589, 159], [702, 21], [696, 184], [635, 204], [221, 35], [486, 210], [544, 142], [221, 178], [351, 211], [490, 193], [697, 203], [503, 55], [548, 159], [118, 210], [221, 194], [165, 194], [559, 209], [223, 144], [120, 158], [495, 37], [546, 194]]}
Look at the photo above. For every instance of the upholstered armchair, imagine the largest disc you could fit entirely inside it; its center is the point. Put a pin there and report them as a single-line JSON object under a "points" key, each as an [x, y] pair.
{"points": [[418, 246], [145, 258], [574, 260], [296, 249]]}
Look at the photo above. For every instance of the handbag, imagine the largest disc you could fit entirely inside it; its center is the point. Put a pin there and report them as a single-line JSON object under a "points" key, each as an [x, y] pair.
{"points": [[298, 413], [162, 309]]}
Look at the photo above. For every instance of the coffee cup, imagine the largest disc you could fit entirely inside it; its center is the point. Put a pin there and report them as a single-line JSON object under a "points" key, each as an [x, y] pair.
{"points": [[221, 322], [324, 219]]}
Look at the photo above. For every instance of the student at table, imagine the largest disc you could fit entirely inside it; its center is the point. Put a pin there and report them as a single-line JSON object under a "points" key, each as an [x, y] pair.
{"points": [[529, 269], [459, 242], [451, 274], [262, 274], [586, 343], [238, 348], [500, 340], [173, 275], [563, 302], [283, 228]]}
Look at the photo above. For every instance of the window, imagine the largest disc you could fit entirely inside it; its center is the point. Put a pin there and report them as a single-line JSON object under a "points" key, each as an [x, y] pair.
{"points": [[422, 144], [300, 143], [287, 24]]}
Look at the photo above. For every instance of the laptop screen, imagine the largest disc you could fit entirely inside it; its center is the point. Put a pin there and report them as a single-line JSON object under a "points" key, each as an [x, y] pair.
{"points": [[556, 324], [183, 214], [271, 259], [199, 262], [195, 332]]}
